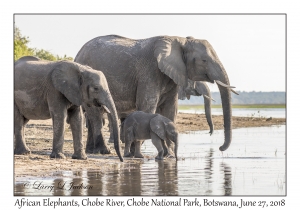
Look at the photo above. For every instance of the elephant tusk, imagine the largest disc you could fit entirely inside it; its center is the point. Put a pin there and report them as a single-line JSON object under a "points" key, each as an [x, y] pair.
{"points": [[222, 84], [234, 92], [106, 109], [209, 98]]}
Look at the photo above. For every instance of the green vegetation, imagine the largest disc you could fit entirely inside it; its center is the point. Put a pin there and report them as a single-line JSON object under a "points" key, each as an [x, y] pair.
{"points": [[21, 49], [185, 107], [20, 45], [45, 55]]}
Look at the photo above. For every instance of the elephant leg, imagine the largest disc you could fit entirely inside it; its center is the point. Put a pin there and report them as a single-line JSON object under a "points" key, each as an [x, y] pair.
{"points": [[95, 141], [128, 142], [100, 145], [19, 124], [75, 119], [165, 147], [137, 152], [94, 145], [132, 148], [111, 136], [58, 122], [157, 142], [169, 109], [132, 145], [168, 104], [121, 129], [146, 101], [90, 141]]}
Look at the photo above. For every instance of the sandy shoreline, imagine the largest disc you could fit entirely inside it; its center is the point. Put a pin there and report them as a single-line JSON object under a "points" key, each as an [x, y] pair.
{"points": [[38, 136]]}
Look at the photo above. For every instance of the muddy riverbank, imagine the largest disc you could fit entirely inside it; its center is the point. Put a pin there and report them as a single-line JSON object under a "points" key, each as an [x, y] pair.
{"points": [[38, 136]]}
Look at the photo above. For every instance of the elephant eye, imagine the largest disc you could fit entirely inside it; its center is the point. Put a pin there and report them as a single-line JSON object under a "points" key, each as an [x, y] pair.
{"points": [[96, 89], [204, 61]]}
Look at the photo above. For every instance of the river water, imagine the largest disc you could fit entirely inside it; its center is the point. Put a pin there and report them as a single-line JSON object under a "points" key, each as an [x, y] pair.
{"points": [[255, 164], [244, 112]]}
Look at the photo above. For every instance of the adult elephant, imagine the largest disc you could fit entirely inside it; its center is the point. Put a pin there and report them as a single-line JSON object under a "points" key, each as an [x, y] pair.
{"points": [[145, 74], [199, 89], [44, 89]]}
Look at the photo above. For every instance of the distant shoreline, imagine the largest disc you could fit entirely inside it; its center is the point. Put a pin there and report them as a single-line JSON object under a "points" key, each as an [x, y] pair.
{"points": [[201, 106]]}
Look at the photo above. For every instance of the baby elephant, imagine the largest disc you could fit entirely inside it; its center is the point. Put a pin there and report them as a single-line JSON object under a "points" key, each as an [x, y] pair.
{"points": [[140, 126]]}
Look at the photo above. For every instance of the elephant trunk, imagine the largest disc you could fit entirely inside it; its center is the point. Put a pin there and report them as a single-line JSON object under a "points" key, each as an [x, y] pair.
{"points": [[113, 119], [176, 147], [226, 105], [207, 107], [202, 88]]}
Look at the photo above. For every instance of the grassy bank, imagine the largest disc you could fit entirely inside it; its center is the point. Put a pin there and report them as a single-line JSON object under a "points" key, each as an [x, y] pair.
{"points": [[183, 107]]}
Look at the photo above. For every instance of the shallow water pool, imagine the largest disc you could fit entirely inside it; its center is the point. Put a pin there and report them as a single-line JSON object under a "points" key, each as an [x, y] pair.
{"points": [[254, 164]]}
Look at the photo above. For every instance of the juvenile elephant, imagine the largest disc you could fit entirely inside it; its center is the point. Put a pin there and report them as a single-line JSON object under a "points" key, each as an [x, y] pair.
{"points": [[140, 126], [44, 89], [144, 75], [197, 89]]}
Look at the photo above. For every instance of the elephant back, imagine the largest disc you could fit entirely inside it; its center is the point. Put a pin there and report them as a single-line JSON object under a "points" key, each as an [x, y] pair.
{"points": [[27, 58]]}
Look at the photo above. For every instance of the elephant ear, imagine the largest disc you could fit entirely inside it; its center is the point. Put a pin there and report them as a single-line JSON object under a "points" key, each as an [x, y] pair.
{"points": [[66, 78], [181, 93], [157, 125], [169, 54]]}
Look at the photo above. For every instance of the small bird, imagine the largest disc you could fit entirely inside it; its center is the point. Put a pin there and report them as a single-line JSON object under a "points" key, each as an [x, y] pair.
{"points": [[268, 119]]}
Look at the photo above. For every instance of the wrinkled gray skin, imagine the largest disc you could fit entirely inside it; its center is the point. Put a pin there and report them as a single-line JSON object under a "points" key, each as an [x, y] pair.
{"points": [[145, 74], [97, 143], [197, 89], [140, 126], [44, 89]]}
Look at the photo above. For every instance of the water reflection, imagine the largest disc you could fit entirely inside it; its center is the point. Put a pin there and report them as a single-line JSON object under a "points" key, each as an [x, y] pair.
{"points": [[227, 178], [201, 170], [95, 180], [78, 185], [209, 166], [167, 178], [131, 179], [209, 171], [19, 189], [58, 190]]}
